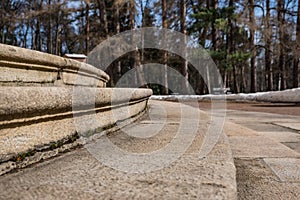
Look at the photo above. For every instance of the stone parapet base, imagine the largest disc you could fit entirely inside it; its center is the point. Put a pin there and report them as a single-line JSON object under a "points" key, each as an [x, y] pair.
{"points": [[24, 67], [39, 119]]}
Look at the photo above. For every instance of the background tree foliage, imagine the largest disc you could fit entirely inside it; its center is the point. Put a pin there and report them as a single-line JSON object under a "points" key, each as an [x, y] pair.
{"points": [[254, 43]]}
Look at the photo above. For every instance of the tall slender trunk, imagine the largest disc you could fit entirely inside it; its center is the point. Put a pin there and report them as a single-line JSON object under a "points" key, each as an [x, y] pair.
{"points": [[117, 22], [201, 36], [252, 46], [103, 18], [57, 43], [25, 36], [37, 29], [136, 53], [87, 18], [2, 27], [37, 40], [49, 32], [281, 61], [235, 80], [231, 49], [165, 55], [228, 43], [213, 4], [183, 30], [268, 35], [244, 85], [296, 54]]}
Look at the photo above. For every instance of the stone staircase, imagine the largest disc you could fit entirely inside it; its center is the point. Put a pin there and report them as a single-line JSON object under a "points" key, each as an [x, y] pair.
{"points": [[52, 105], [48, 103]]}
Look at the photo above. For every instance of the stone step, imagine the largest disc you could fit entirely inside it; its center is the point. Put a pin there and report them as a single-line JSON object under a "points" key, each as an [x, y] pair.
{"points": [[161, 156], [40, 122]]}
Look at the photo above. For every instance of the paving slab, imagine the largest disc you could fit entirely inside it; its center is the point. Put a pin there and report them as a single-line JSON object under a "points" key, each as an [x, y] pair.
{"points": [[259, 147], [266, 155], [282, 136], [77, 175], [293, 145], [263, 127], [233, 129], [256, 180], [252, 117], [294, 125], [287, 169]]}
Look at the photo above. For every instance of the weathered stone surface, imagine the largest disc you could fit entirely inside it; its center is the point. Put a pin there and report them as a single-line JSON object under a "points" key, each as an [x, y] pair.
{"points": [[282, 136], [256, 180], [266, 155], [71, 78], [287, 169], [242, 147], [78, 175], [17, 75], [294, 126], [23, 66], [33, 101], [33, 117]]}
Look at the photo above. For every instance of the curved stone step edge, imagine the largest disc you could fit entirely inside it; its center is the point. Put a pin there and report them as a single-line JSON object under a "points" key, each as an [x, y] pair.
{"points": [[12, 58], [46, 100], [13, 162]]}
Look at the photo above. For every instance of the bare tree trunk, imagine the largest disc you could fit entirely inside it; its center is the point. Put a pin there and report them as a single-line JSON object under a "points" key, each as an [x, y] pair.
{"points": [[183, 30], [201, 36], [87, 18], [296, 73], [58, 43], [2, 27], [252, 46], [136, 53], [37, 43], [211, 4], [225, 78], [244, 85], [296, 53], [268, 35], [231, 49], [37, 40], [281, 61], [214, 5], [103, 18], [117, 24], [25, 36], [165, 55], [49, 31]]}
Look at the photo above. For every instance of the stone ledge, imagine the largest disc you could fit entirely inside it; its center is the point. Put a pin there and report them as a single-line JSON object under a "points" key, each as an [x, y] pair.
{"points": [[19, 66], [35, 118], [20, 102]]}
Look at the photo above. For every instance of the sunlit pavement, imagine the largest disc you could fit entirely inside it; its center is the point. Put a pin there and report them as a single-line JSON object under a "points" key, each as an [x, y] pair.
{"points": [[79, 175], [266, 149], [260, 159]]}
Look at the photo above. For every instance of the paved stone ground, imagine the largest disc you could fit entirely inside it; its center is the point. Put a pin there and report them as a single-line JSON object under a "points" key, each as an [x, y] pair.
{"points": [[265, 148], [276, 108], [267, 154], [265, 141], [79, 175]]}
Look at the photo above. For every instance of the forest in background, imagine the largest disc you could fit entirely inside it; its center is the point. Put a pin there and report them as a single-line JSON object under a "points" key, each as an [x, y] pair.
{"points": [[254, 43]]}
